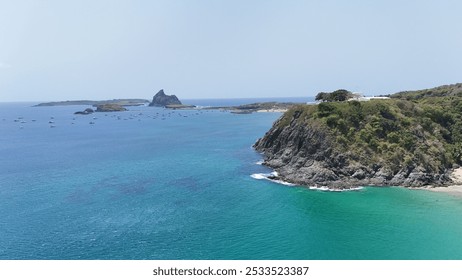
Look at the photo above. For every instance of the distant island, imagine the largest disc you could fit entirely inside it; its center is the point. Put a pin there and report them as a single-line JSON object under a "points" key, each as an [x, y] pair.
{"points": [[102, 108], [110, 107], [412, 139], [162, 100], [257, 107], [120, 102]]}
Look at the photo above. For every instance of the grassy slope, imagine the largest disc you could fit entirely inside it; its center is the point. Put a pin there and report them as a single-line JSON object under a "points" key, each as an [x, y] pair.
{"points": [[398, 133], [446, 90]]}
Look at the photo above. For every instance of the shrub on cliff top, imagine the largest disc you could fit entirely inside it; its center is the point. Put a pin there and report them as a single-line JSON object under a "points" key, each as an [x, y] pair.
{"points": [[338, 95]]}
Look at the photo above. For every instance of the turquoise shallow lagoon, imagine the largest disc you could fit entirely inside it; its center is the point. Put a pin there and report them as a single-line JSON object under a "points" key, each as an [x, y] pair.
{"points": [[156, 184]]}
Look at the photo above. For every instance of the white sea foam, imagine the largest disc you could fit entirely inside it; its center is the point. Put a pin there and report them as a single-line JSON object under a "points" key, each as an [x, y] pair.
{"points": [[260, 162], [266, 176], [326, 189], [282, 182], [258, 176]]}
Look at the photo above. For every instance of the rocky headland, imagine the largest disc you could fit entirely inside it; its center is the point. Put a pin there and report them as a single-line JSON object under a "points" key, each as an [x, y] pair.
{"points": [[410, 140]]}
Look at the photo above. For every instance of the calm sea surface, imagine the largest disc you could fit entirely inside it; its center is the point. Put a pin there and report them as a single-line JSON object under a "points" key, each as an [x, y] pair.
{"points": [[151, 183]]}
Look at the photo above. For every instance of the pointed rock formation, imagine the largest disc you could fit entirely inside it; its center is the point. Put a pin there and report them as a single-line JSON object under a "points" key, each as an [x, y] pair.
{"points": [[162, 100]]}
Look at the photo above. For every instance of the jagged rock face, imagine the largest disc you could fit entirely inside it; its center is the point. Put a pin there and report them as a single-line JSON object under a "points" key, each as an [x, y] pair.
{"points": [[306, 154], [161, 99], [300, 154]]}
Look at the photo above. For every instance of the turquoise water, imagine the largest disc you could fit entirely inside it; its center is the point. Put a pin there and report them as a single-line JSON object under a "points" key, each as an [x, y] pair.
{"points": [[135, 186]]}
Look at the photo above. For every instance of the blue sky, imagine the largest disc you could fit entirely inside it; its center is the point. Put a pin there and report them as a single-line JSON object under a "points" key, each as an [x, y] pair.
{"points": [[67, 50]]}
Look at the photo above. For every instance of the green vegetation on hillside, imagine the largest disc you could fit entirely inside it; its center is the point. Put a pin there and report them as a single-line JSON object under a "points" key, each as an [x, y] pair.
{"points": [[441, 91], [399, 133]]}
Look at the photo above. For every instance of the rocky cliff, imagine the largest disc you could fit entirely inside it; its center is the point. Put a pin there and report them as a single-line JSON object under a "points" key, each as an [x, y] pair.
{"points": [[381, 142], [162, 100]]}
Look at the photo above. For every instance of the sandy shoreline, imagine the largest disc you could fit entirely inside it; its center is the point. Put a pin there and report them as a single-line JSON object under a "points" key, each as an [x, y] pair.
{"points": [[455, 189]]}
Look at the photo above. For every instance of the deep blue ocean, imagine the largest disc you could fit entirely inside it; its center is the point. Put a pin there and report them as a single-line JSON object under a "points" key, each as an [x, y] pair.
{"points": [[152, 183]]}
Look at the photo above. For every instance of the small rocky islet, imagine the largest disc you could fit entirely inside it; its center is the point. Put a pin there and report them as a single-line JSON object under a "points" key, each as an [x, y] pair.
{"points": [[95, 103], [85, 112]]}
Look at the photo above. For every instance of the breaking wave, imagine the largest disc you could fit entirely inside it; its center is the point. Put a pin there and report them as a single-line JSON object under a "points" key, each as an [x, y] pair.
{"points": [[270, 176]]}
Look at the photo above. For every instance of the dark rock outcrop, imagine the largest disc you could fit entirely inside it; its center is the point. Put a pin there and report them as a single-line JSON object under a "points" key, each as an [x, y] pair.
{"points": [[85, 112], [162, 100], [303, 155]]}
